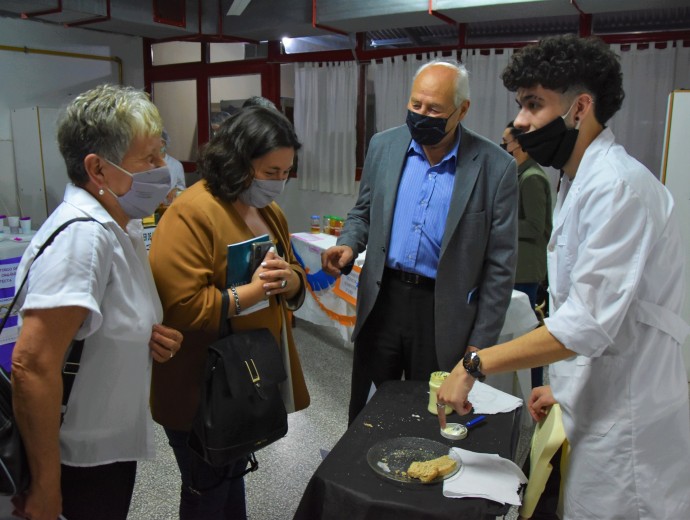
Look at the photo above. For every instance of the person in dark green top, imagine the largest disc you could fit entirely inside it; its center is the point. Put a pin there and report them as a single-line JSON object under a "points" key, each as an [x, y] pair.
{"points": [[534, 223]]}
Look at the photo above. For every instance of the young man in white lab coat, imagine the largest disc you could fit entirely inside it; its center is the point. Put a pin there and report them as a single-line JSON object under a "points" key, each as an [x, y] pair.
{"points": [[615, 266]]}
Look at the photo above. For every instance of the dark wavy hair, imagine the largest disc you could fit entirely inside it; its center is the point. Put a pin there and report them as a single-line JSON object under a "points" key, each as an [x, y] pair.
{"points": [[252, 132], [568, 63]]}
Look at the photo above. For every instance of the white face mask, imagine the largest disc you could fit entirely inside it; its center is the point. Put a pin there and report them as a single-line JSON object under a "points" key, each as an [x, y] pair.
{"points": [[261, 192], [149, 189]]}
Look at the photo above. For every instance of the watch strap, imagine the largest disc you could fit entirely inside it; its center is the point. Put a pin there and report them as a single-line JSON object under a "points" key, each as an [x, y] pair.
{"points": [[473, 365]]}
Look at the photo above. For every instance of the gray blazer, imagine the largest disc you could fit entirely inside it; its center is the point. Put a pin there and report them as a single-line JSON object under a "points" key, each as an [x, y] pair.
{"points": [[476, 268]]}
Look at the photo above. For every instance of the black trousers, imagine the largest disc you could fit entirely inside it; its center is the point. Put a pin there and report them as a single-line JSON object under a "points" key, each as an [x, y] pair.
{"points": [[97, 492], [397, 340]]}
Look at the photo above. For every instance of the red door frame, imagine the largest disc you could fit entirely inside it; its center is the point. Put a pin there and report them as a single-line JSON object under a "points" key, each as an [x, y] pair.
{"points": [[269, 68], [202, 72]]}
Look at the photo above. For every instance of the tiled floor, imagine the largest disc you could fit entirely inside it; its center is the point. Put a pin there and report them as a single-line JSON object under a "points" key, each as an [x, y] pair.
{"points": [[285, 467], [273, 492]]}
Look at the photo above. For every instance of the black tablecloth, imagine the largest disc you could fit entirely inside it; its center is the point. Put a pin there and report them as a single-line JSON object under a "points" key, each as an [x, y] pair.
{"points": [[344, 486]]}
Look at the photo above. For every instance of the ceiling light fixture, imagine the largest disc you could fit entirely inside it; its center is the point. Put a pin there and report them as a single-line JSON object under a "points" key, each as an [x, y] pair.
{"points": [[238, 7]]}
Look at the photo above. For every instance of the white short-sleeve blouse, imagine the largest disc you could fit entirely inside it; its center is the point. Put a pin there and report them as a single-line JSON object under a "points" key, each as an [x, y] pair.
{"points": [[99, 266]]}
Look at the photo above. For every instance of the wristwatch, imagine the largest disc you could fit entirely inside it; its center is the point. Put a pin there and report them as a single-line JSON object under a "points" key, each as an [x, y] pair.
{"points": [[473, 365]]}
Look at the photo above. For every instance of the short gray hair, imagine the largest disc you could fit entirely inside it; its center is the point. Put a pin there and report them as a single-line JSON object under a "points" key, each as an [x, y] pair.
{"points": [[462, 82], [104, 120]]}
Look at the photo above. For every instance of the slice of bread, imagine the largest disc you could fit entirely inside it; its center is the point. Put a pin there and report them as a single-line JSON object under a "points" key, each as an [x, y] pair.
{"points": [[429, 470]]}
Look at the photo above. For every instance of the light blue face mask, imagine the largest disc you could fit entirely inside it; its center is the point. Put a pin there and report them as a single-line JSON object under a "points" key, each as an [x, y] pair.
{"points": [[149, 189], [261, 192]]}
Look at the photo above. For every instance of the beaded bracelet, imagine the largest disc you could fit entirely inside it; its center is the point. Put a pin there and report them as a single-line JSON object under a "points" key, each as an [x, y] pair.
{"points": [[238, 309]]}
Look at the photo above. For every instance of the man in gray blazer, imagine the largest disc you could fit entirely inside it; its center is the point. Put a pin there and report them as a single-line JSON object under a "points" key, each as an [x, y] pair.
{"points": [[437, 215]]}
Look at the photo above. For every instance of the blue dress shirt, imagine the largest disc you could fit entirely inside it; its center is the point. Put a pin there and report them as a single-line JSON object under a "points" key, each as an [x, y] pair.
{"points": [[421, 209]]}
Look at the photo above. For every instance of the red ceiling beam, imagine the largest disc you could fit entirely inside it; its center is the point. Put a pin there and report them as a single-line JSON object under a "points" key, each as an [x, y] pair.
{"points": [[462, 35], [95, 19], [55, 10], [317, 25], [440, 16], [585, 28], [199, 37], [650, 37]]}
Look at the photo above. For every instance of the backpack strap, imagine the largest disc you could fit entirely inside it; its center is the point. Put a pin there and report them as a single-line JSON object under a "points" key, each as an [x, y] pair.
{"points": [[224, 328], [71, 367], [69, 373]]}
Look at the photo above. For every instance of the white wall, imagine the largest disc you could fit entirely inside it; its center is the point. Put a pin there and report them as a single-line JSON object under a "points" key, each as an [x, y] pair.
{"points": [[176, 102], [674, 173], [287, 80], [52, 81], [168, 53], [299, 205], [231, 88]]}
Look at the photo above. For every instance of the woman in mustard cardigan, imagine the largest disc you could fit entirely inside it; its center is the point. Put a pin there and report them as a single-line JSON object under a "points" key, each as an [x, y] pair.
{"points": [[243, 168]]}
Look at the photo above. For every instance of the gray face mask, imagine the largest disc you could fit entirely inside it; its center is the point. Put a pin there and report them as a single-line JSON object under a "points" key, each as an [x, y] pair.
{"points": [[261, 192], [148, 190]]}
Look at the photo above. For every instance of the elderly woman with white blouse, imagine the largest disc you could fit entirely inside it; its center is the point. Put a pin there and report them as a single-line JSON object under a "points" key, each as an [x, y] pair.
{"points": [[93, 283]]}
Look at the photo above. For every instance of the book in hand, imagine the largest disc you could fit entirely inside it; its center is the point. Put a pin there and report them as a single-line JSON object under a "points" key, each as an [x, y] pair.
{"points": [[243, 260]]}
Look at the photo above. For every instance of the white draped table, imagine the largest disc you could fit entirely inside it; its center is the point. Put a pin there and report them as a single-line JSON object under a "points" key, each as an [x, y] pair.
{"points": [[324, 306]]}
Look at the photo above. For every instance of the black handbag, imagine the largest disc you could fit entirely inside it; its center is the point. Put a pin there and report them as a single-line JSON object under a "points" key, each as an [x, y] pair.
{"points": [[14, 467], [241, 409]]}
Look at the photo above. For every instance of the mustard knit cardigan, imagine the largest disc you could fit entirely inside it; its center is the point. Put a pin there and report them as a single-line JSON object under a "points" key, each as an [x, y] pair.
{"points": [[189, 261]]}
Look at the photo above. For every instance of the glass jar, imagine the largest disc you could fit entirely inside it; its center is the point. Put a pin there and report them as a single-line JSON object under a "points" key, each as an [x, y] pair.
{"points": [[315, 224], [336, 226], [435, 382], [327, 224]]}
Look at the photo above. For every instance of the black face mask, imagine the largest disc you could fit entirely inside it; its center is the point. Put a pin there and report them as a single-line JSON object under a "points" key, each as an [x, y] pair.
{"points": [[427, 130], [504, 146], [550, 145]]}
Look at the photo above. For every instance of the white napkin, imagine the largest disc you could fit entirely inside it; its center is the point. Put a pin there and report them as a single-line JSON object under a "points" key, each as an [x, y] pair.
{"points": [[485, 475], [487, 399]]}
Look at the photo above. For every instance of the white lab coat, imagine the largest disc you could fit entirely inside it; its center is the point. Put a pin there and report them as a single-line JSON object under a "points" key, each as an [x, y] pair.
{"points": [[616, 277]]}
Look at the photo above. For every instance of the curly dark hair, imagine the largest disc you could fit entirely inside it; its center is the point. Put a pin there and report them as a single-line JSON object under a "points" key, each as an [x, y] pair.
{"points": [[252, 132], [567, 62]]}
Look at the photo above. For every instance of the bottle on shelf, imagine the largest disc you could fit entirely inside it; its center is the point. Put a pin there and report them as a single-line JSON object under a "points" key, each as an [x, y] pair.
{"points": [[327, 224], [336, 226], [315, 224]]}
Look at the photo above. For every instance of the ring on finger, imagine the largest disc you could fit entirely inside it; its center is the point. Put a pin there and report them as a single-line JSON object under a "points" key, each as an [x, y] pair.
{"points": [[171, 354], [283, 284], [440, 405]]}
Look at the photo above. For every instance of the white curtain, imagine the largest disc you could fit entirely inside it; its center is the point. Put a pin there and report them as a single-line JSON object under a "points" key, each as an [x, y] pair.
{"points": [[392, 80], [326, 99], [649, 76], [325, 121], [491, 105]]}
